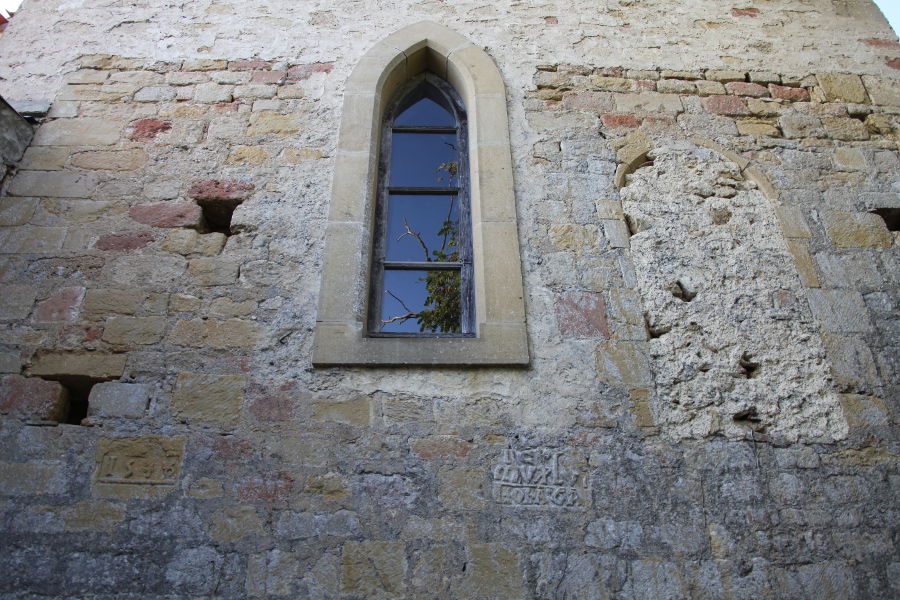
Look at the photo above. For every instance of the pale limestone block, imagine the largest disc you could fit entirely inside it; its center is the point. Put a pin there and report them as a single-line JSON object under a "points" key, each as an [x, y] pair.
{"points": [[114, 399], [78, 132]]}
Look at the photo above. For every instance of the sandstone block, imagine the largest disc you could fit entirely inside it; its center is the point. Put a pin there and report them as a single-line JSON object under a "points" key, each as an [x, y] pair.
{"points": [[255, 91], [856, 230], [211, 93], [582, 315], [493, 571], [104, 301], [44, 158], [271, 573], [33, 398], [83, 211], [266, 122], [267, 76], [301, 72], [208, 398], [620, 121], [210, 244], [214, 271], [357, 411], [86, 76], [851, 362], [799, 249], [573, 236], [839, 87], [78, 132], [134, 330], [757, 127], [623, 363], [764, 77], [204, 64], [862, 411], [226, 307], [726, 76], [16, 211], [215, 333], [61, 306], [93, 365], [460, 488], [121, 400], [440, 446], [801, 126], [167, 214], [93, 516], [375, 570], [252, 64], [275, 485], [793, 225], [612, 84], [882, 90], [845, 128], [708, 88], [725, 105], [794, 94], [26, 240], [742, 88], [180, 241], [248, 154], [131, 240], [180, 78], [647, 103], [53, 184], [137, 467], [676, 86], [849, 158], [155, 94], [220, 189], [16, 301], [110, 160], [183, 303]]}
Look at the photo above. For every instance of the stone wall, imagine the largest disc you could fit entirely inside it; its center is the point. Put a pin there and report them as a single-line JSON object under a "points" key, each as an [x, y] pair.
{"points": [[709, 245]]}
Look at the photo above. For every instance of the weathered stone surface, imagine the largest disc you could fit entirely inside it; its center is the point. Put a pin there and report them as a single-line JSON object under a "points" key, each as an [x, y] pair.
{"points": [[493, 571], [134, 330], [208, 398], [843, 88], [270, 122], [219, 189], [137, 467], [78, 132], [437, 447], [16, 301], [216, 333], [16, 211], [101, 301], [839, 311], [93, 365], [119, 400], [373, 569], [52, 184], [144, 130], [93, 516], [33, 398], [32, 478], [124, 241], [856, 230], [63, 305], [582, 315], [726, 105], [210, 93], [461, 488], [167, 214], [213, 271], [352, 412], [110, 160], [234, 523]]}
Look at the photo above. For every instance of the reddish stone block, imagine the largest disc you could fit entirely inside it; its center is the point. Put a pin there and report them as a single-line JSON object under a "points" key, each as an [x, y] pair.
{"points": [[249, 65], [300, 72], [145, 130], [551, 20], [620, 121], [893, 63], [276, 485], [63, 305], [661, 121], [167, 214], [794, 94], [267, 76], [743, 88], [745, 12], [277, 405], [230, 448], [33, 398], [130, 240], [582, 315], [75, 335], [218, 189], [879, 43], [644, 85], [725, 105]]}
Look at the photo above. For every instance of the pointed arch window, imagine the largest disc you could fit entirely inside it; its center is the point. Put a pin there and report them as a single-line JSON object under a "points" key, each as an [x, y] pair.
{"points": [[422, 280], [424, 155]]}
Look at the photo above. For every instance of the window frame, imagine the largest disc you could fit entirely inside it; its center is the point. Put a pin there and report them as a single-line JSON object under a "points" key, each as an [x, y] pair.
{"points": [[341, 325], [418, 89]]}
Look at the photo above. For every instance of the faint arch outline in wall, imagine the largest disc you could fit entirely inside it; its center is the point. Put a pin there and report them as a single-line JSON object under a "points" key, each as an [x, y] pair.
{"points": [[341, 331]]}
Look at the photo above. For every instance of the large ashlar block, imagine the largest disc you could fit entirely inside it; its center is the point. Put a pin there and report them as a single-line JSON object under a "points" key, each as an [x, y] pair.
{"points": [[94, 365], [78, 132], [52, 184], [208, 398], [33, 398], [856, 230], [137, 467], [115, 399], [374, 569], [357, 411], [842, 87]]}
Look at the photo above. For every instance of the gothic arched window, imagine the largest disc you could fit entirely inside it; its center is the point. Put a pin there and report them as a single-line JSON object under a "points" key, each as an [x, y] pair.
{"points": [[417, 102], [422, 251]]}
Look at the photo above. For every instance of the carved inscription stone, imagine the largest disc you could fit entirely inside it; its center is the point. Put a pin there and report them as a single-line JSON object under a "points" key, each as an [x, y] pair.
{"points": [[542, 478], [140, 467]]}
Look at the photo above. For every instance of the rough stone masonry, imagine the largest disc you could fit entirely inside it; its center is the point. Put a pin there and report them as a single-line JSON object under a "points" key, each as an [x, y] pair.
{"points": [[708, 203]]}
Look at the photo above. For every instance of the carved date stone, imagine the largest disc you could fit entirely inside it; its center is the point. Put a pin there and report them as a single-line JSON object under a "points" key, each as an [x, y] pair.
{"points": [[541, 478], [140, 467]]}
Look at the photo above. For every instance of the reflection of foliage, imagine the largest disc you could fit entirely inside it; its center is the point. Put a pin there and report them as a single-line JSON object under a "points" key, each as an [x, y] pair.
{"points": [[443, 312], [450, 167]]}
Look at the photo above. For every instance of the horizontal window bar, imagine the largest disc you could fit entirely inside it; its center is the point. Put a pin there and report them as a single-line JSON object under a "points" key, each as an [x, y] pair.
{"points": [[438, 191], [423, 129], [399, 265], [400, 334]]}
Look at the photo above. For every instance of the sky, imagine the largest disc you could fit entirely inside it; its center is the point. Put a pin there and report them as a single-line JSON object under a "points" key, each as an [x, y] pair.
{"points": [[890, 9]]}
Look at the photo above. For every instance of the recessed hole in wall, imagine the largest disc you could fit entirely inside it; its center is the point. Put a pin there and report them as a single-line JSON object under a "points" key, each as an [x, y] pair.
{"points": [[217, 214], [749, 415], [656, 331], [891, 217], [747, 367], [79, 388], [680, 291]]}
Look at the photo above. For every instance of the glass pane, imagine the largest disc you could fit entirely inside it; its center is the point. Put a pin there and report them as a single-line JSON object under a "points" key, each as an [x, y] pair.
{"points": [[421, 302], [425, 112], [424, 160], [423, 228]]}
